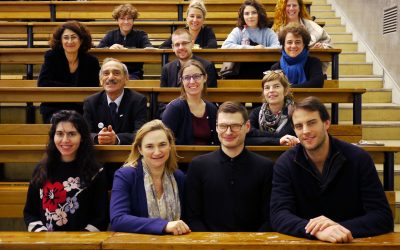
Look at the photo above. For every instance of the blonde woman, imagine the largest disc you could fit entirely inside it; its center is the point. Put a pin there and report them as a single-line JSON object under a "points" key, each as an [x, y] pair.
{"points": [[202, 36], [270, 122], [147, 190]]}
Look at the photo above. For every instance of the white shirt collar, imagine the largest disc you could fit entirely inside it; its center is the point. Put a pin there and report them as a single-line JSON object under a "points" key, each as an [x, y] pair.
{"points": [[117, 101]]}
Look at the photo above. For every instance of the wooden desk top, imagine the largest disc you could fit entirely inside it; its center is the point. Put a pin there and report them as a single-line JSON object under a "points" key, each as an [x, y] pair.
{"points": [[198, 240], [248, 241], [52, 240]]}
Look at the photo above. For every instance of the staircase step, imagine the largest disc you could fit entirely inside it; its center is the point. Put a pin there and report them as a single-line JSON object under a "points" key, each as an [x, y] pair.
{"points": [[334, 28], [377, 96], [318, 2], [338, 37], [346, 46], [354, 68], [387, 130], [319, 7], [352, 57], [361, 83], [370, 112], [323, 13], [330, 20]]}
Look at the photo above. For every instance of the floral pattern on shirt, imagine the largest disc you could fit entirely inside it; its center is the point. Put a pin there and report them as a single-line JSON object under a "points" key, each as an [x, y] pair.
{"points": [[57, 203]]}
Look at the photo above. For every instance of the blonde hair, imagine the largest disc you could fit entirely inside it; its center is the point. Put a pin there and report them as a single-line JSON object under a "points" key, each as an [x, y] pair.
{"points": [[171, 165], [197, 4], [280, 13], [272, 75]]}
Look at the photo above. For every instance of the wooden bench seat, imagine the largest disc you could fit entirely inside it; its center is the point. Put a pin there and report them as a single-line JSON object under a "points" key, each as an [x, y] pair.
{"points": [[33, 134], [239, 83], [156, 95]]}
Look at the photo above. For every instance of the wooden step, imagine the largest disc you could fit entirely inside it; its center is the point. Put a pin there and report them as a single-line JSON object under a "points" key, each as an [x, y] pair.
{"points": [[387, 130], [354, 69], [350, 57], [371, 112], [330, 20], [320, 7], [346, 46], [377, 96], [334, 28], [361, 83], [323, 13], [340, 37]]}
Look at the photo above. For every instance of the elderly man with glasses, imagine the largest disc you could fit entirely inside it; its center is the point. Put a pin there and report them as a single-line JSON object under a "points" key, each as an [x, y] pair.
{"points": [[229, 190]]}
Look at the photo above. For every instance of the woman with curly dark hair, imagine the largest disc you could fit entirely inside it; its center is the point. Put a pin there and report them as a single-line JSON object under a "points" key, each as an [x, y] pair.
{"points": [[252, 32], [68, 190], [68, 64]]}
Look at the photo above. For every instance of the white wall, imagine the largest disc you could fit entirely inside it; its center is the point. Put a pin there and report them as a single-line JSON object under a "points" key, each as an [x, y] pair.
{"points": [[365, 18]]}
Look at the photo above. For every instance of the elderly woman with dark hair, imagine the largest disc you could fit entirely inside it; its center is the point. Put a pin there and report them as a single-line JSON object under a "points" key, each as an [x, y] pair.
{"points": [[302, 70], [68, 187], [68, 64]]}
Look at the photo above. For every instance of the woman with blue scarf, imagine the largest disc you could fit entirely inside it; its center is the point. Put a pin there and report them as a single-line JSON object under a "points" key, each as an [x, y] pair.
{"points": [[302, 70]]}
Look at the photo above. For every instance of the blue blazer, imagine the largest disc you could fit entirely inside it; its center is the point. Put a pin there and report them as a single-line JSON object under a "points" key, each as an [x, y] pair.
{"points": [[128, 207]]}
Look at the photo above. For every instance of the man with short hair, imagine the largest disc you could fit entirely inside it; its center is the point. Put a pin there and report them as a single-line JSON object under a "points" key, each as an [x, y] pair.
{"points": [[326, 188], [116, 113], [228, 190], [182, 47]]}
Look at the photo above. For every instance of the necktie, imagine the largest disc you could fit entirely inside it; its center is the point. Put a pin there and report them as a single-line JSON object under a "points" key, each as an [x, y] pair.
{"points": [[114, 114]]}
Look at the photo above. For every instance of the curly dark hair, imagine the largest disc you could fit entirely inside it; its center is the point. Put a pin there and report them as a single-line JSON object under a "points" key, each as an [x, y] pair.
{"points": [[262, 14], [78, 28], [297, 30], [85, 157]]}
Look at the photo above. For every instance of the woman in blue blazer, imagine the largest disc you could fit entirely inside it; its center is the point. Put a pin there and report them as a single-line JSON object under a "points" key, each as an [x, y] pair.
{"points": [[147, 191]]}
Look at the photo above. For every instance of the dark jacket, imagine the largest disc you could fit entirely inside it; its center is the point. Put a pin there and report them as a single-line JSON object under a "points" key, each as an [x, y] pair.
{"points": [[178, 118], [225, 194], [169, 75], [132, 114], [205, 39], [128, 208], [313, 71], [258, 137], [135, 39], [55, 73], [351, 193]]}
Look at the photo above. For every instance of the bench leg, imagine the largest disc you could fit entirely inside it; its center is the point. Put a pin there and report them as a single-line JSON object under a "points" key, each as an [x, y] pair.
{"points": [[388, 171]]}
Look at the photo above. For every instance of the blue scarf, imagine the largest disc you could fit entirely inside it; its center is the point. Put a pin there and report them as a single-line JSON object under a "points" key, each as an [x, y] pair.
{"points": [[294, 66]]}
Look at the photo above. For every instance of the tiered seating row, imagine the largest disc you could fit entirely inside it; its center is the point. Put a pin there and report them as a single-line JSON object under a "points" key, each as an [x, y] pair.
{"points": [[12, 195], [149, 10], [157, 94]]}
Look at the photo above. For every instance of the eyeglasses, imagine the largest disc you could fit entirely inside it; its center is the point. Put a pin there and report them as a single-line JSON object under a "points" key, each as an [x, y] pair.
{"points": [[184, 44], [235, 127], [195, 77], [277, 71]]}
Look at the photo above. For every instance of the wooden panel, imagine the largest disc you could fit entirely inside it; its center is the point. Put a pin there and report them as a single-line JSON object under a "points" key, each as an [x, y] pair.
{"points": [[53, 240], [248, 241]]}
